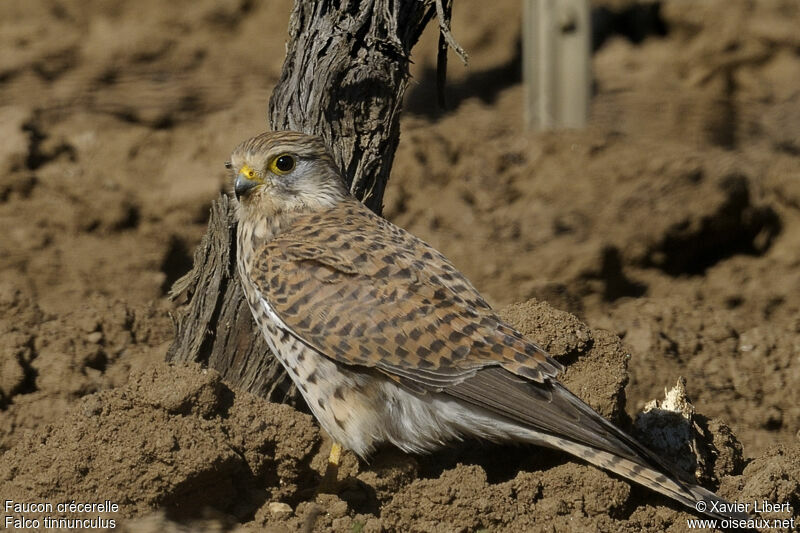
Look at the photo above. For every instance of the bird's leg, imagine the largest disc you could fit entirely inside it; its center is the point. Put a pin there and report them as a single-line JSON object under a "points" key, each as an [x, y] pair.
{"points": [[332, 471], [335, 455]]}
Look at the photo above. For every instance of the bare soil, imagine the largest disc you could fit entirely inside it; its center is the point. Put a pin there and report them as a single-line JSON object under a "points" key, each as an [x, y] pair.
{"points": [[662, 241]]}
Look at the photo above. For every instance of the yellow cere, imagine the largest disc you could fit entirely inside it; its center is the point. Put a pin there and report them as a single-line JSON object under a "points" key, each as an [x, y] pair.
{"points": [[247, 171]]}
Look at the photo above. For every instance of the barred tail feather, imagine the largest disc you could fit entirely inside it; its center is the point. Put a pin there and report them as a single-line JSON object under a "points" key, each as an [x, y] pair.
{"points": [[666, 484]]}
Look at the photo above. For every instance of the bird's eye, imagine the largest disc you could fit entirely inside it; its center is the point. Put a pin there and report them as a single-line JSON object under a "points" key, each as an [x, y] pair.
{"points": [[228, 165], [283, 164]]}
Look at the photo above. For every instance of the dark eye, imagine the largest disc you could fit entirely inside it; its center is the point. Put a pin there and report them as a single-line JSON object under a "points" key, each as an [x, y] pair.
{"points": [[228, 165], [284, 163]]}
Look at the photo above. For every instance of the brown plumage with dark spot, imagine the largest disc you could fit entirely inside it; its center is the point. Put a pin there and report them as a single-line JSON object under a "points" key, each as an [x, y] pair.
{"points": [[386, 339]]}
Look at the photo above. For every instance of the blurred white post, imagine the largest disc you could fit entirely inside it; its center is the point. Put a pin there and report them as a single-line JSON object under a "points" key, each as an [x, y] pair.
{"points": [[555, 57]]}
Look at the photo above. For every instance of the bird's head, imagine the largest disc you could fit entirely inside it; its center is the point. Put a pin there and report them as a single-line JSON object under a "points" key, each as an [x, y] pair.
{"points": [[282, 172]]}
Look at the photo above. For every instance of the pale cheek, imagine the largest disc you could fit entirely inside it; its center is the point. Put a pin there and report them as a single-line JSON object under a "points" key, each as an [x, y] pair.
{"points": [[259, 205], [319, 195], [277, 200], [260, 230]]}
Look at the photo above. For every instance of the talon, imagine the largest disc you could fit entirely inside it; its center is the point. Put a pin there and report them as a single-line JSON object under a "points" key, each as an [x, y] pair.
{"points": [[336, 454], [329, 480]]}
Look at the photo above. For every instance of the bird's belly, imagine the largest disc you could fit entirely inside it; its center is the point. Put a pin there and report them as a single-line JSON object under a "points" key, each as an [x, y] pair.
{"points": [[361, 407], [342, 401]]}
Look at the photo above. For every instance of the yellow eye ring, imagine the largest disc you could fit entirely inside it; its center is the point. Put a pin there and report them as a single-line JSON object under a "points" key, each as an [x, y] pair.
{"points": [[282, 164]]}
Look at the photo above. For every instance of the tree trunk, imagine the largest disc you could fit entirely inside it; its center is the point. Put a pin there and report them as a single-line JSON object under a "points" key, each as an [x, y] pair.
{"points": [[344, 77]]}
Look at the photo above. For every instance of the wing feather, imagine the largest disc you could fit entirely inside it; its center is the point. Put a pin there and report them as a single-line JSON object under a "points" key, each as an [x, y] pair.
{"points": [[365, 292]]}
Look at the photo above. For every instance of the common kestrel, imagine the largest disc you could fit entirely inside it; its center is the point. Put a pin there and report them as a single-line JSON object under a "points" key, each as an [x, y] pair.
{"points": [[386, 339]]}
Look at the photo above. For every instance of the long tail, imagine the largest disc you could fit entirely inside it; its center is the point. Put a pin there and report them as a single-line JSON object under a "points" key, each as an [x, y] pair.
{"points": [[548, 414], [614, 450], [659, 480]]}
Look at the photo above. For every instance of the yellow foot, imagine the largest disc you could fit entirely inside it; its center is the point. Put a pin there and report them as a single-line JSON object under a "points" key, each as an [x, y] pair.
{"points": [[328, 483]]}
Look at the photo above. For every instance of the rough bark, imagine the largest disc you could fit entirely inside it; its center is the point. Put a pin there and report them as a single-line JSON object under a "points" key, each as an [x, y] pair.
{"points": [[344, 77]]}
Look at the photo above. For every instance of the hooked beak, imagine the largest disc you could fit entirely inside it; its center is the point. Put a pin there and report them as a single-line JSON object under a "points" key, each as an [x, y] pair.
{"points": [[243, 185]]}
